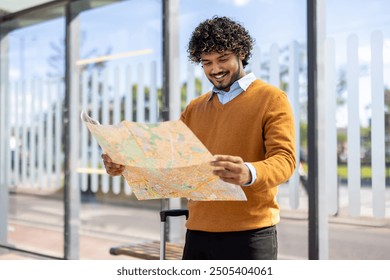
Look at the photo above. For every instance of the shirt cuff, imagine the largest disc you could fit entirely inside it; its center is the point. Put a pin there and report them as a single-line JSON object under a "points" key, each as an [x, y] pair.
{"points": [[252, 170]]}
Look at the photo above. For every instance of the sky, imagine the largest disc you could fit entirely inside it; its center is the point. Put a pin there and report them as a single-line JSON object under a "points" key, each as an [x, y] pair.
{"points": [[136, 25]]}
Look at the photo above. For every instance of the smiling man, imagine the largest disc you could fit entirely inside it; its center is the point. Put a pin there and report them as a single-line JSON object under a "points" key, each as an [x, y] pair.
{"points": [[248, 125]]}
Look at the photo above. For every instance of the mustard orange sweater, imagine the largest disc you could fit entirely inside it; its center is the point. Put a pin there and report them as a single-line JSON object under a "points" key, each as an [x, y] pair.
{"points": [[258, 126]]}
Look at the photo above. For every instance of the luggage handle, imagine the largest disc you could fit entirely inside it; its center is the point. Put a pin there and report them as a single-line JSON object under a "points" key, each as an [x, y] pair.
{"points": [[163, 218], [172, 213]]}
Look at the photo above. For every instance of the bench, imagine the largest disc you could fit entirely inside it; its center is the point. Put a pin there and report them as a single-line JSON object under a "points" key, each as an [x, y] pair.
{"points": [[149, 251], [154, 250]]}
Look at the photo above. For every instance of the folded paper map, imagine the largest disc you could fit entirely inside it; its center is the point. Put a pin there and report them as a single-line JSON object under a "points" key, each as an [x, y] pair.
{"points": [[163, 160]]}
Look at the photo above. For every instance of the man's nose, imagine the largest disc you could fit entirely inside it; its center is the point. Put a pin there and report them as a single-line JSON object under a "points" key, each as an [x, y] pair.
{"points": [[215, 68]]}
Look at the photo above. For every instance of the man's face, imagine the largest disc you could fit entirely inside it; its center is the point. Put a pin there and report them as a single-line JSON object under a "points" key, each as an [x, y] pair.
{"points": [[222, 68]]}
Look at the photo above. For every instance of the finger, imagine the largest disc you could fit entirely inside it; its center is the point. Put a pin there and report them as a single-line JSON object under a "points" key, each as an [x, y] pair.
{"points": [[115, 171], [234, 167], [114, 165], [228, 158], [226, 161], [225, 174], [106, 158], [238, 175], [229, 178], [109, 163]]}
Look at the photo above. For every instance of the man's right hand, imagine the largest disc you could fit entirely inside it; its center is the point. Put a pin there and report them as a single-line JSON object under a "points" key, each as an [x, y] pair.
{"points": [[112, 169]]}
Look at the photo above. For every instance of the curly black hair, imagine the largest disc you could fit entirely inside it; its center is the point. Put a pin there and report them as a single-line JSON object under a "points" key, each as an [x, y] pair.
{"points": [[219, 34]]}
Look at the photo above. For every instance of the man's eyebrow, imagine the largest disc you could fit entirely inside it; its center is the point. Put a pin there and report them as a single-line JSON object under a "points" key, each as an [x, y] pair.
{"points": [[222, 55], [225, 54]]}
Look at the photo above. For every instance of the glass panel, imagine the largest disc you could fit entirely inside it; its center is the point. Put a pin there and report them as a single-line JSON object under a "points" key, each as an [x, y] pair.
{"points": [[35, 92], [278, 57], [120, 78], [362, 99]]}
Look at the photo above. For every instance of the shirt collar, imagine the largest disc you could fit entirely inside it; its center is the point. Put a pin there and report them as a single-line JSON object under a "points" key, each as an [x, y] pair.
{"points": [[242, 83]]}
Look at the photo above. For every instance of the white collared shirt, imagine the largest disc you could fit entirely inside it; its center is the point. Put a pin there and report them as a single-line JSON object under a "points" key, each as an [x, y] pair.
{"points": [[235, 90]]}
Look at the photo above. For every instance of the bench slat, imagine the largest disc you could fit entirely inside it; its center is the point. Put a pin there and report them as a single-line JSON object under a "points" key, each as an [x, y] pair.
{"points": [[149, 251]]}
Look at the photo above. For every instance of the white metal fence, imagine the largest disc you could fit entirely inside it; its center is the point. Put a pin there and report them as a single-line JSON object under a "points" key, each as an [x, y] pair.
{"points": [[36, 129], [378, 129], [130, 92]]}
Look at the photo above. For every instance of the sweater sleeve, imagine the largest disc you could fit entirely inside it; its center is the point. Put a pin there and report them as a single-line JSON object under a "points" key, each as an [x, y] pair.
{"points": [[279, 145]]}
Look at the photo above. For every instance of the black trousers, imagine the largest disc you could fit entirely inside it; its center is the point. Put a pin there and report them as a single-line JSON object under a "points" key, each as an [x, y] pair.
{"points": [[258, 244]]}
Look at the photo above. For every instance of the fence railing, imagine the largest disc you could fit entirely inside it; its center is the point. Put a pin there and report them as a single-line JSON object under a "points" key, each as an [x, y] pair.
{"points": [[378, 129], [36, 134]]}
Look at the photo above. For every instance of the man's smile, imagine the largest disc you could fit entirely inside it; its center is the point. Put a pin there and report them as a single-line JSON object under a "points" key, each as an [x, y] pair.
{"points": [[220, 76]]}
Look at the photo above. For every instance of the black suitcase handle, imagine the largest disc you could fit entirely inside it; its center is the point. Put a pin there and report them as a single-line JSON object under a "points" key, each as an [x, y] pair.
{"points": [[172, 213]]}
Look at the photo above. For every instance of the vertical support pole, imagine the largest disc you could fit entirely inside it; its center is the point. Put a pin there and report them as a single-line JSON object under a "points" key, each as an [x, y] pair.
{"points": [[153, 104], [312, 128], [71, 124], [324, 158], [165, 115], [293, 94], [162, 242], [328, 140], [171, 71], [353, 130], [171, 88], [4, 139], [165, 57], [378, 126]]}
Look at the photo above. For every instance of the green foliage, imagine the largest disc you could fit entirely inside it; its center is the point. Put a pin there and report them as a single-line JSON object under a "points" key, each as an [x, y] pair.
{"points": [[342, 136], [342, 171], [365, 171], [183, 92], [303, 134]]}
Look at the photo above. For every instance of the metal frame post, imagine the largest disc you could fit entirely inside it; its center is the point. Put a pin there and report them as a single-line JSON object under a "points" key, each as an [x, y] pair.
{"points": [[165, 61], [165, 98], [171, 72], [312, 128], [4, 139], [71, 126], [171, 91]]}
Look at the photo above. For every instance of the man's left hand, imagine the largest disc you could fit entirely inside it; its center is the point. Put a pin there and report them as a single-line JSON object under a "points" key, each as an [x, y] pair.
{"points": [[231, 169]]}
